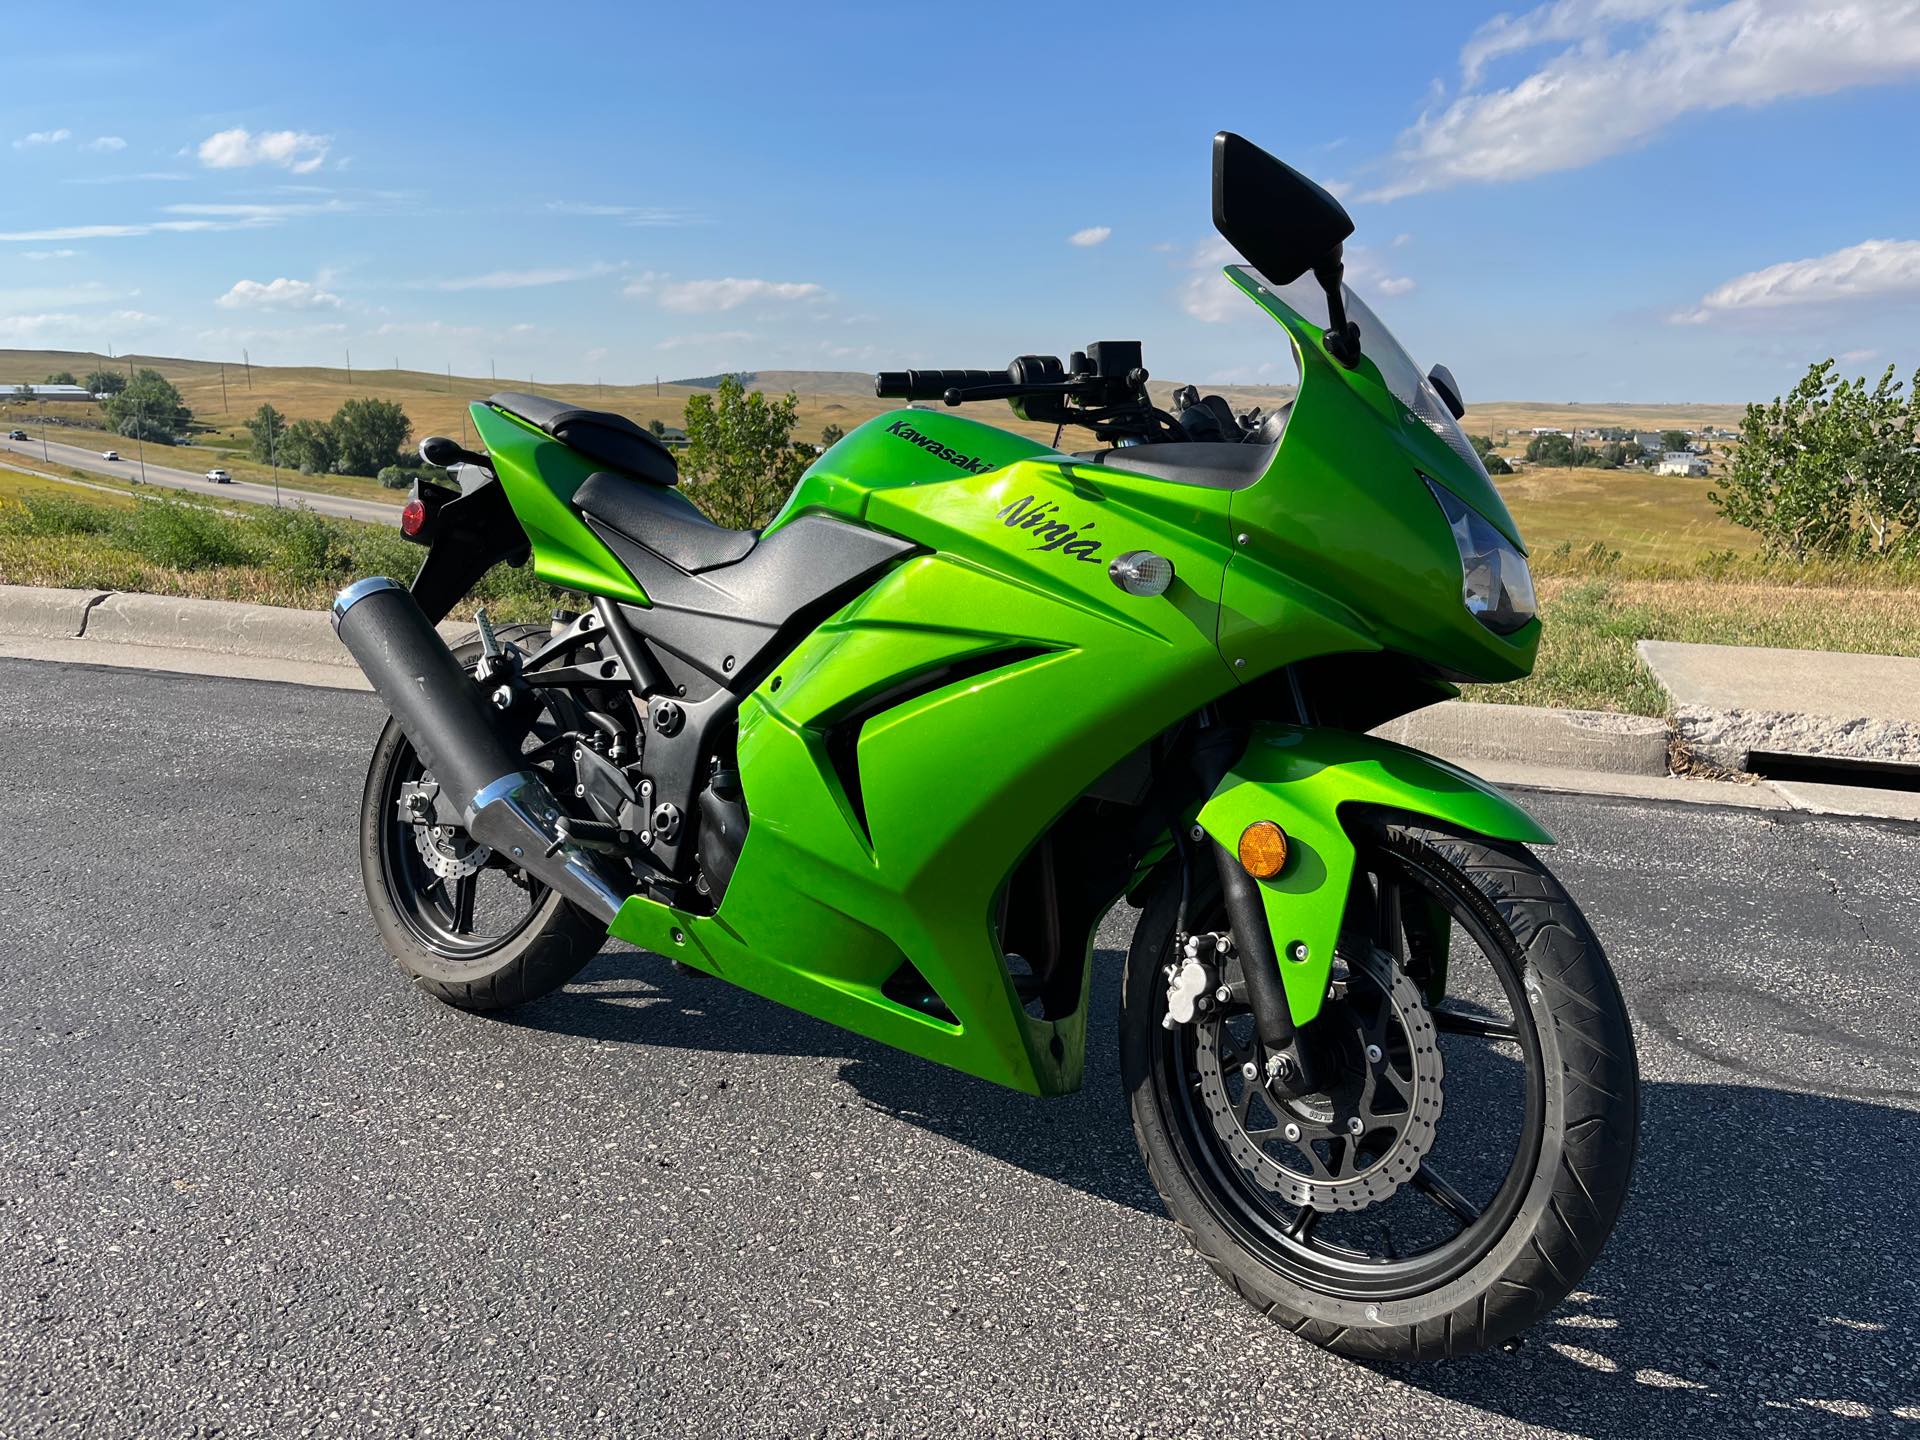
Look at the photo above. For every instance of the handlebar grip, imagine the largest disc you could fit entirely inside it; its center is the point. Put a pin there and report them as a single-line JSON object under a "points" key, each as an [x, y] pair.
{"points": [[930, 384]]}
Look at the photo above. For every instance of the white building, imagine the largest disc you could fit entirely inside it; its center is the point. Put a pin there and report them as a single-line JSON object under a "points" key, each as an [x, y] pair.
{"points": [[1680, 462], [48, 392]]}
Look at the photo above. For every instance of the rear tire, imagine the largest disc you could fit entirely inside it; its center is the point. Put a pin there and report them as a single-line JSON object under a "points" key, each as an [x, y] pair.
{"points": [[540, 951], [1558, 1195]]}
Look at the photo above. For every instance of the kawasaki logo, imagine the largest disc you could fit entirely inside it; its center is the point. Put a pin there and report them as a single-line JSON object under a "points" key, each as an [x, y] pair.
{"points": [[1051, 532], [972, 464]]}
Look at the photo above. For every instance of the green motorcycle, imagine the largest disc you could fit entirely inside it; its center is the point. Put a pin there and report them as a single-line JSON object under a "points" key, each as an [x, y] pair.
{"points": [[891, 761]]}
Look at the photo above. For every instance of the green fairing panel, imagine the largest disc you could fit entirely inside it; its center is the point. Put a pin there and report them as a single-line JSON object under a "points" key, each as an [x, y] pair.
{"points": [[836, 887], [540, 475], [1306, 780], [1343, 512]]}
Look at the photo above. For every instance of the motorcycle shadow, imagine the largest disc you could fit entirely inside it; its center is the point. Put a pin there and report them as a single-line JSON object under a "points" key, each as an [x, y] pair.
{"points": [[1084, 1140], [1763, 1276]]}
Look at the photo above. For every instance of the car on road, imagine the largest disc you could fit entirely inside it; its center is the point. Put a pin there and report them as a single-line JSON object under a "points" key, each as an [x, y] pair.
{"points": [[219, 477], [109, 454], [16, 434]]}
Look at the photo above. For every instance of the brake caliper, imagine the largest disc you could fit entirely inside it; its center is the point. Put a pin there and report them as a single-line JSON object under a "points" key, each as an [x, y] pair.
{"points": [[1194, 983]]}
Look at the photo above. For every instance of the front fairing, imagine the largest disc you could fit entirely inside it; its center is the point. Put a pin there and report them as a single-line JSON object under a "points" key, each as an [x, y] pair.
{"points": [[1344, 508]]}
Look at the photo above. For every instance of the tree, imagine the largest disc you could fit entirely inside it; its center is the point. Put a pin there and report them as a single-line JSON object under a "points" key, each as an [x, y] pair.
{"points": [[1620, 452], [368, 435], [268, 427], [148, 409], [740, 457], [1483, 447], [62, 377], [658, 428], [1831, 469], [307, 446], [1551, 450], [1675, 439], [831, 436], [104, 382]]}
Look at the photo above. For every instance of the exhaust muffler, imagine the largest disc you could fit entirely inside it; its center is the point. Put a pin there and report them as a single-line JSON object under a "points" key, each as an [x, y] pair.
{"points": [[503, 805]]}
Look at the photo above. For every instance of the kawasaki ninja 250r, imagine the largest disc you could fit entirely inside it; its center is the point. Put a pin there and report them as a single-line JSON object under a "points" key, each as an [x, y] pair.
{"points": [[891, 760]]}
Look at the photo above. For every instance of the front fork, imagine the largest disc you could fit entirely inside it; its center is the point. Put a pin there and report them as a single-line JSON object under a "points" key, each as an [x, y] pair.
{"points": [[1312, 783]]}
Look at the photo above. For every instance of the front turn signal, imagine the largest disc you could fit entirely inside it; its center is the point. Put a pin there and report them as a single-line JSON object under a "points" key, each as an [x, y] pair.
{"points": [[1263, 849]]}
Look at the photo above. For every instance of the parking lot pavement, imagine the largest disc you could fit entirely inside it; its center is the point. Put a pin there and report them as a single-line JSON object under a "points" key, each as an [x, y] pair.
{"points": [[251, 1183]]}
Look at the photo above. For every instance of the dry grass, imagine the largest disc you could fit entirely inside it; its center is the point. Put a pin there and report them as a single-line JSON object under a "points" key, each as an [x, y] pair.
{"points": [[1589, 626]]}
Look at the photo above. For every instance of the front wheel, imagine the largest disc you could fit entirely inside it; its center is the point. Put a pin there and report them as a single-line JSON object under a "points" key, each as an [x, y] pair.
{"points": [[1472, 1146]]}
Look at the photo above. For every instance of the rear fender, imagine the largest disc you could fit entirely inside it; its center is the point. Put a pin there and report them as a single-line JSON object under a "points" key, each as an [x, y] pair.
{"points": [[472, 533], [1315, 784]]}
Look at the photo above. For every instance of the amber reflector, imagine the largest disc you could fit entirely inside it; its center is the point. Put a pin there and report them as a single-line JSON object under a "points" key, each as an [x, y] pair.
{"points": [[1263, 849]]}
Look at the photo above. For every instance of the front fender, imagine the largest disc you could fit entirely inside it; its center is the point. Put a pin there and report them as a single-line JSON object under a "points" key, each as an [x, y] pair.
{"points": [[1307, 781]]}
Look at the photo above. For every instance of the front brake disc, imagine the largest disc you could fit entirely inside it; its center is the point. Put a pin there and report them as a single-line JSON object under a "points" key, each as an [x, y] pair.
{"points": [[1363, 1137]]}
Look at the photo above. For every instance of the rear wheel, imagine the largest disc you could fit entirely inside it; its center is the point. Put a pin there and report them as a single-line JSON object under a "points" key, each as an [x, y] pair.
{"points": [[470, 928], [1466, 1159]]}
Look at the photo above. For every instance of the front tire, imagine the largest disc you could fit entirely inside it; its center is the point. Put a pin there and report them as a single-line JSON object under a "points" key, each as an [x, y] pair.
{"points": [[1438, 1266], [488, 940]]}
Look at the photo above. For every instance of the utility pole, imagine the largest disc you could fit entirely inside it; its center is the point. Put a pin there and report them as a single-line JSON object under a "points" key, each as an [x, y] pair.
{"points": [[449, 377], [247, 360], [223, 387], [495, 374], [349, 367]]}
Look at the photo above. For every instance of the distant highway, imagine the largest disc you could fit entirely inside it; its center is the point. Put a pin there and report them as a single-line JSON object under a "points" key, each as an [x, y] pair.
{"points": [[245, 491]]}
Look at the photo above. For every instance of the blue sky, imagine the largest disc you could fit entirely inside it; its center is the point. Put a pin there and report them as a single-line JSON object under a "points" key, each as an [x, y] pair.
{"points": [[1593, 200]]}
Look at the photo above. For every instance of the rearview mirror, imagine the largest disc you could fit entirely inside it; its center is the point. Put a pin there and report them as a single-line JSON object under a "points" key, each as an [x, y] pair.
{"points": [[1280, 220], [1448, 389]]}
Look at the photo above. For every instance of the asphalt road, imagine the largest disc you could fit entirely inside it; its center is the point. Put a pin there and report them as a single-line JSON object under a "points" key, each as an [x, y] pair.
{"points": [[127, 467], [251, 1183]]}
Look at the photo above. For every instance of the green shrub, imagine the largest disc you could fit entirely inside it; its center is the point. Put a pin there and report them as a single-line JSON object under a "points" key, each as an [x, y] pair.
{"points": [[45, 516], [186, 537], [399, 477], [304, 544]]}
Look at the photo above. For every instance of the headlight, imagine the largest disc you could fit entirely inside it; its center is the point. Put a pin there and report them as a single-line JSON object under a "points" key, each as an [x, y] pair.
{"points": [[1494, 579]]}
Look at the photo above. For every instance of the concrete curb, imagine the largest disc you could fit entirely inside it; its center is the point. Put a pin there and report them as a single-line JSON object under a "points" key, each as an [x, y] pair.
{"points": [[165, 622], [1589, 740], [1514, 746], [46, 614]]}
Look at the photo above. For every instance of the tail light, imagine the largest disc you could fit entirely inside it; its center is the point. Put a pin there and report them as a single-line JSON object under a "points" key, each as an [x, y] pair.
{"points": [[422, 509]]}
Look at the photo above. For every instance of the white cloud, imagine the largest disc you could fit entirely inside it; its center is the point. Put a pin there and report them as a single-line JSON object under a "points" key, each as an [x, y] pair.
{"points": [[32, 328], [281, 294], [48, 254], [60, 330], [1597, 98], [105, 144], [714, 337], [1874, 270], [200, 218], [644, 216], [50, 297], [117, 232], [1092, 235], [1206, 294], [692, 297], [525, 279], [42, 137], [293, 150], [259, 214]]}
